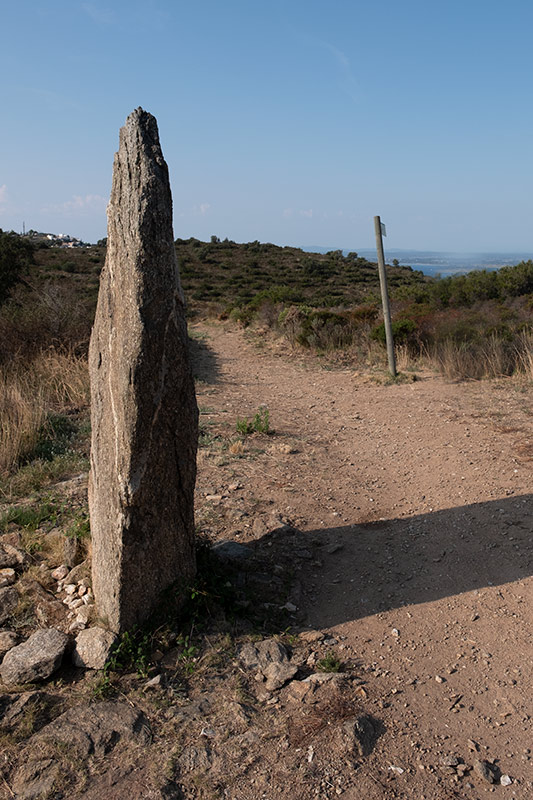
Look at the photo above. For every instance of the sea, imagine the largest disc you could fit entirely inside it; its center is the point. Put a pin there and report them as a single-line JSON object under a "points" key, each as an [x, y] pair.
{"points": [[439, 264]]}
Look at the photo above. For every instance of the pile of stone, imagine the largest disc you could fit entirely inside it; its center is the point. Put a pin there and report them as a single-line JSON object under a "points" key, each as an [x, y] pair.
{"points": [[76, 594]]}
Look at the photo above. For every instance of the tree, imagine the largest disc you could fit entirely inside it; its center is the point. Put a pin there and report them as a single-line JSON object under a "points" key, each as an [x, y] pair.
{"points": [[16, 254]]}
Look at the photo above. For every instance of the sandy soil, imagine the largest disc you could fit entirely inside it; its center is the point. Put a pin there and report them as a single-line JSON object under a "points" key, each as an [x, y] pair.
{"points": [[415, 500]]}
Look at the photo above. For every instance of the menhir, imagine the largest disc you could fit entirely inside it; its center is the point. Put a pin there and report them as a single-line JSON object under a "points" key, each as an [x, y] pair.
{"points": [[143, 406]]}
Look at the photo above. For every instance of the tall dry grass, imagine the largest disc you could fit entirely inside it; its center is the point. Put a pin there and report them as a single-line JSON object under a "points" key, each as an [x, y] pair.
{"points": [[30, 390]]}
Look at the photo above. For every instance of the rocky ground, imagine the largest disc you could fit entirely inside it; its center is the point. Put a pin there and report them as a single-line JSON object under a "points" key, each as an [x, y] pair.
{"points": [[369, 632]]}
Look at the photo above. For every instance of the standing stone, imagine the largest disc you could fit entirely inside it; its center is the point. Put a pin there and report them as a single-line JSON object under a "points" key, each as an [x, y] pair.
{"points": [[143, 406]]}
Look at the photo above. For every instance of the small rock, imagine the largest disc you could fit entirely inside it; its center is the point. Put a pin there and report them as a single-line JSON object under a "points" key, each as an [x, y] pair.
{"points": [[7, 577], [60, 572], [334, 548], [49, 612], [396, 770], [301, 691], [8, 602], [326, 677], [449, 761], [10, 556], [75, 603], [232, 552], [84, 613], [395, 632], [485, 770], [154, 683], [35, 659], [93, 647], [311, 636], [440, 679], [277, 675], [70, 588], [72, 553], [77, 573], [210, 733], [362, 734], [506, 780], [290, 607]]}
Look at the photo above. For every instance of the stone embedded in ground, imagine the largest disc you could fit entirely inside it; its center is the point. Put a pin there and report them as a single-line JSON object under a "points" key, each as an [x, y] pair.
{"points": [[15, 709], [143, 405], [362, 734], [35, 659], [272, 659], [93, 648], [232, 552], [485, 770], [59, 751], [277, 675]]}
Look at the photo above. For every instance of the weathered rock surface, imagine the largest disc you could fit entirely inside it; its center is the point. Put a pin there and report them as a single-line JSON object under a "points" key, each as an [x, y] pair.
{"points": [[271, 659], [7, 577], [35, 659], [143, 406], [232, 552], [14, 708], [93, 648], [8, 639], [81, 733], [8, 602], [10, 556]]}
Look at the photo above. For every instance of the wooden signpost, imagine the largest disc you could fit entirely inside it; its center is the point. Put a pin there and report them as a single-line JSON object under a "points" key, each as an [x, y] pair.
{"points": [[380, 230]]}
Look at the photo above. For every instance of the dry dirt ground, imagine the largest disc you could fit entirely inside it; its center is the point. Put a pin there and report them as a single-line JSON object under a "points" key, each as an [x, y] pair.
{"points": [[392, 524], [413, 559]]}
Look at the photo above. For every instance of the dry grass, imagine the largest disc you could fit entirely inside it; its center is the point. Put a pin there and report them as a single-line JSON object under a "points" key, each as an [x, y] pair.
{"points": [[491, 358], [51, 382]]}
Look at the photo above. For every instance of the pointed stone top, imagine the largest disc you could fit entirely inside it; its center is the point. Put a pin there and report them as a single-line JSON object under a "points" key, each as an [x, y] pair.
{"points": [[140, 132]]}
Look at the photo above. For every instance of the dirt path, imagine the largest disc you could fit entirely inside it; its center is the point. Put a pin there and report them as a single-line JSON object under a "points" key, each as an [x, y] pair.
{"points": [[416, 498]]}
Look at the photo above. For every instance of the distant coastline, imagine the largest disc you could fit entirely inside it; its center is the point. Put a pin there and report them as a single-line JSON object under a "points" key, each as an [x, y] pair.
{"points": [[433, 263]]}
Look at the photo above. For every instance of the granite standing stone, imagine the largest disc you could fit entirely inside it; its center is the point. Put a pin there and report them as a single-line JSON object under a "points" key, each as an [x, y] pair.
{"points": [[143, 405]]}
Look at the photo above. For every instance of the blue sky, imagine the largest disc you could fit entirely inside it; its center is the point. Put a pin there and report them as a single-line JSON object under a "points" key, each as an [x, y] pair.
{"points": [[292, 122]]}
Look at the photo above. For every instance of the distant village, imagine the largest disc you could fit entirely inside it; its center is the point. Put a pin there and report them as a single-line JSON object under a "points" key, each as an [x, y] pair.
{"points": [[55, 239]]}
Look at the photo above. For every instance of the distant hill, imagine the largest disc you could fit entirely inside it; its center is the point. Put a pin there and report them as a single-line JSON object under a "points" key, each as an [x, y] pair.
{"points": [[225, 272]]}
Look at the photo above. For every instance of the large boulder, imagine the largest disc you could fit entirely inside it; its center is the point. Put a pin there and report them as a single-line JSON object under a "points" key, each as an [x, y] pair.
{"points": [[143, 405], [35, 659]]}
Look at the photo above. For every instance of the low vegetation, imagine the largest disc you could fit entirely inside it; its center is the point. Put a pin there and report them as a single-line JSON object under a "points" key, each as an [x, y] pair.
{"points": [[470, 326]]}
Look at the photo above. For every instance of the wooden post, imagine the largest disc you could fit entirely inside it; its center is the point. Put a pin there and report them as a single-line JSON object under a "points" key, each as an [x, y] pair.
{"points": [[385, 296]]}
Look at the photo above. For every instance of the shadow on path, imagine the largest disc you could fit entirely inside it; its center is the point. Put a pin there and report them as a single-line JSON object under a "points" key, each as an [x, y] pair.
{"points": [[380, 566], [204, 361]]}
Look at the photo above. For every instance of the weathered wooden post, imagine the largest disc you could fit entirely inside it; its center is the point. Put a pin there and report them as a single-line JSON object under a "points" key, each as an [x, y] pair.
{"points": [[143, 406], [379, 230]]}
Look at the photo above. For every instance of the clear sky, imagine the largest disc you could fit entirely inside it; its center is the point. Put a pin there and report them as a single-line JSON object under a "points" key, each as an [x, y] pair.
{"points": [[288, 121]]}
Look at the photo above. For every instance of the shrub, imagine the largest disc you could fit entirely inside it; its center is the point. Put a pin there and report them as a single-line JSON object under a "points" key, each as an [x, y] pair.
{"points": [[259, 424], [16, 254]]}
